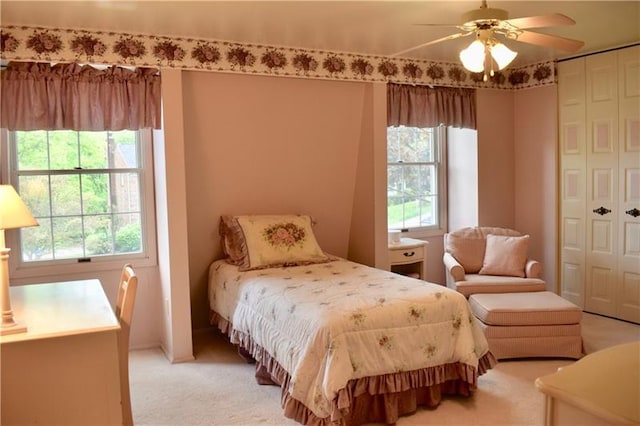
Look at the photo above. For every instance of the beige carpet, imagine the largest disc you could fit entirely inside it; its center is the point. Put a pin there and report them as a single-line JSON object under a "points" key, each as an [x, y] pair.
{"points": [[218, 388]]}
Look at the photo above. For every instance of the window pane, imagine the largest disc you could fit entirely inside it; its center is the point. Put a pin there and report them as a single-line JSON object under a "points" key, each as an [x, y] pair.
{"points": [[432, 218], [98, 235], [411, 180], [428, 212], [63, 150], [128, 233], [37, 242], [393, 145], [410, 145], [34, 191], [93, 150], [126, 150], [65, 192], [395, 212], [126, 197], [32, 150], [413, 177], [394, 180], [412, 212], [95, 193], [427, 183], [67, 237]]}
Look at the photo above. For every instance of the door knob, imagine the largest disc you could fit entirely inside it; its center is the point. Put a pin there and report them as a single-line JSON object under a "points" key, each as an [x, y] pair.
{"points": [[633, 212], [601, 211]]}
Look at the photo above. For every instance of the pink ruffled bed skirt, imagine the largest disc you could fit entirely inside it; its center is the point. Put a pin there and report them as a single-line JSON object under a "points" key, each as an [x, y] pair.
{"points": [[377, 399]]}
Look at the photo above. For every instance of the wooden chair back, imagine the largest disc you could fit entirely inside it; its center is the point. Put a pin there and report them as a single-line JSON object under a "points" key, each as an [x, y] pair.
{"points": [[124, 312]]}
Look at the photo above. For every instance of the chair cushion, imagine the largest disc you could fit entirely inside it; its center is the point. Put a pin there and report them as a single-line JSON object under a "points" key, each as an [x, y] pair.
{"points": [[474, 284], [505, 255], [533, 308], [469, 252], [467, 245]]}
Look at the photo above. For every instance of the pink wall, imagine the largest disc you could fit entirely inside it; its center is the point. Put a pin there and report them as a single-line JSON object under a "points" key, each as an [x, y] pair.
{"points": [[517, 179], [257, 144], [536, 150], [462, 178], [363, 218], [496, 186], [274, 145]]}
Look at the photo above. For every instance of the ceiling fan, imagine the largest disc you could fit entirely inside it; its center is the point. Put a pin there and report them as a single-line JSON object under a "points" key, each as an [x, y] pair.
{"points": [[489, 24]]}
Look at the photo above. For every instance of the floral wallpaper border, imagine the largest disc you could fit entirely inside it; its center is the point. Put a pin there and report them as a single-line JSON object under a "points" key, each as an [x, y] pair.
{"points": [[25, 43]]}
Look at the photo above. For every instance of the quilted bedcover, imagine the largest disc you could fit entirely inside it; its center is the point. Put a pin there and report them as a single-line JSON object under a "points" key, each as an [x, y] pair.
{"points": [[327, 324]]}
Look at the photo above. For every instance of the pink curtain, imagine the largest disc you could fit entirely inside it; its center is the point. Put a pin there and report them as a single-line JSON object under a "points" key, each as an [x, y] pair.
{"points": [[41, 96], [423, 106]]}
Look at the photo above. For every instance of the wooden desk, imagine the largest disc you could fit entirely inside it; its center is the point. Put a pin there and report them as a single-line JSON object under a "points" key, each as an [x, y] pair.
{"points": [[64, 369], [600, 389]]}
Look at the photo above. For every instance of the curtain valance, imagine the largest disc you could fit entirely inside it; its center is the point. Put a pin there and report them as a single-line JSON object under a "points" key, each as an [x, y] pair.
{"points": [[423, 106], [41, 96]]}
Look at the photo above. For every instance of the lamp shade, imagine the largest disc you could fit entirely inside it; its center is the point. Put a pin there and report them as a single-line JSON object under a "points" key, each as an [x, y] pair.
{"points": [[502, 55], [13, 212], [473, 56]]}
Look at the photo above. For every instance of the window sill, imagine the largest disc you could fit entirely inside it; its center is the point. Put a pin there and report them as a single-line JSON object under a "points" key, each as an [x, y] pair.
{"points": [[75, 267], [427, 233]]}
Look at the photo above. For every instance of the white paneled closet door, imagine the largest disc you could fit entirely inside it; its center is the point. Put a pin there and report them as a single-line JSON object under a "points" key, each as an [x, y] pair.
{"points": [[571, 108], [599, 122], [628, 301], [602, 183]]}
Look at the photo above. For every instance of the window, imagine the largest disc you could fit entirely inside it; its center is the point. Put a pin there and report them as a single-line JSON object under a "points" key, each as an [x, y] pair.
{"points": [[91, 193], [416, 179]]}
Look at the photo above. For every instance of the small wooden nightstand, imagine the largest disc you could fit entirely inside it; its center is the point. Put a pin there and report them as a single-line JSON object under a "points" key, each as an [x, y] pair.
{"points": [[409, 257]]}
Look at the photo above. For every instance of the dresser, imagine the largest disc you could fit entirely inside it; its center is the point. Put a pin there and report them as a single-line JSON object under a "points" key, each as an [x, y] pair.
{"points": [[603, 388], [64, 369], [409, 257]]}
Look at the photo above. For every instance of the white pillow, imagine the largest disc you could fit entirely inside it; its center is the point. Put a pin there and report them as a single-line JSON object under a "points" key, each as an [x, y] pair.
{"points": [[505, 255]]}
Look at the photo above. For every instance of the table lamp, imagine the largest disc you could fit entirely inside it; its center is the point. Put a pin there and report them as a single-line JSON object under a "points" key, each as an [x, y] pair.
{"points": [[13, 214]]}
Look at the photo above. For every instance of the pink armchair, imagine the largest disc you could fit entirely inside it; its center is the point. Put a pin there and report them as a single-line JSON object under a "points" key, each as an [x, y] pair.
{"points": [[490, 260]]}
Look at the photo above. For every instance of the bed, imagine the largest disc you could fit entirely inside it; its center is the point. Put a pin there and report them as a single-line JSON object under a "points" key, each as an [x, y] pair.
{"points": [[347, 343]]}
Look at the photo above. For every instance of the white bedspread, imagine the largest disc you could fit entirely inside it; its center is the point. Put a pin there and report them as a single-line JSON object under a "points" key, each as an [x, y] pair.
{"points": [[329, 323]]}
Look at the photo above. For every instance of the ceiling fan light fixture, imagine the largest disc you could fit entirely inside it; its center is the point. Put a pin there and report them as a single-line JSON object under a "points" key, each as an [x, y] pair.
{"points": [[502, 55], [473, 56], [485, 54]]}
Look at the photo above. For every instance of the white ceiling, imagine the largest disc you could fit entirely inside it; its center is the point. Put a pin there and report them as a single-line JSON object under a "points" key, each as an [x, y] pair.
{"points": [[371, 27]]}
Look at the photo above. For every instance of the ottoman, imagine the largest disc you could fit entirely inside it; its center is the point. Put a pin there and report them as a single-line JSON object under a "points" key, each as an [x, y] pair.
{"points": [[530, 324]]}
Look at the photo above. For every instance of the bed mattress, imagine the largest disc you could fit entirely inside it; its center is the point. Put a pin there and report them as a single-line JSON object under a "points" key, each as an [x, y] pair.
{"points": [[331, 323]]}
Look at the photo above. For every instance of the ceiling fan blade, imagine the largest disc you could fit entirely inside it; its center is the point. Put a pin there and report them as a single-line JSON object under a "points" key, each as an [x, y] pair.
{"points": [[553, 20], [439, 25], [556, 42], [449, 37]]}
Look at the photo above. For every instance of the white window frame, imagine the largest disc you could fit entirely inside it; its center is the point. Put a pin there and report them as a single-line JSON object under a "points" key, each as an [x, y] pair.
{"points": [[441, 170], [148, 256]]}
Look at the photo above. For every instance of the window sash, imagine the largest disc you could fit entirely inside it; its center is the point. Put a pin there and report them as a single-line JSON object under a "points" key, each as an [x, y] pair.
{"points": [[422, 211], [112, 219]]}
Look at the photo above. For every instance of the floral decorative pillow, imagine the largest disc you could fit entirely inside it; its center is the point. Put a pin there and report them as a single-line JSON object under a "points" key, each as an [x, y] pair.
{"points": [[271, 240], [505, 255], [232, 241]]}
